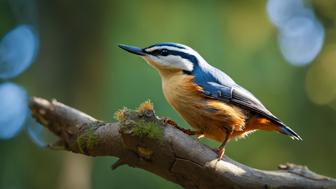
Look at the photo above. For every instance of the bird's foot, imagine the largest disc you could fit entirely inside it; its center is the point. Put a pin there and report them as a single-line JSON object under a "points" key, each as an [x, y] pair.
{"points": [[167, 121], [199, 136], [170, 122], [220, 153], [221, 149]]}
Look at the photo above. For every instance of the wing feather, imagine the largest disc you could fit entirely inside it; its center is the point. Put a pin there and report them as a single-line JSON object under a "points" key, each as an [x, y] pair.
{"points": [[243, 98], [216, 84], [239, 96]]}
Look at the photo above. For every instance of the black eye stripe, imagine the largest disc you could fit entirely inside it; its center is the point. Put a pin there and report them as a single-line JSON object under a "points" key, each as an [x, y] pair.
{"points": [[184, 55], [159, 52], [166, 52], [155, 52]]}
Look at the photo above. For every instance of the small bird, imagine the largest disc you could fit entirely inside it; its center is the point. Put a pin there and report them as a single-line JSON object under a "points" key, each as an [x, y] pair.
{"points": [[207, 98]]}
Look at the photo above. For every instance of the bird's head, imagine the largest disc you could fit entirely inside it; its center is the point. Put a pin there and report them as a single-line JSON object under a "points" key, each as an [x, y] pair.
{"points": [[167, 56]]}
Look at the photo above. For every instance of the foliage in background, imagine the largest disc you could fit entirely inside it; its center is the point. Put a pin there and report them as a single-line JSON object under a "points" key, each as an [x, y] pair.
{"points": [[80, 64]]}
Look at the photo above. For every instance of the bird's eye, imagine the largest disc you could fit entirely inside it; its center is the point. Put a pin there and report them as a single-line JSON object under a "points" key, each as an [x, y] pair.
{"points": [[164, 52], [159, 52]]}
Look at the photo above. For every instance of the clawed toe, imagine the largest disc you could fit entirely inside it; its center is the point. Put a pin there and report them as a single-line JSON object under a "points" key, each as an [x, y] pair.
{"points": [[220, 153], [199, 136], [168, 121]]}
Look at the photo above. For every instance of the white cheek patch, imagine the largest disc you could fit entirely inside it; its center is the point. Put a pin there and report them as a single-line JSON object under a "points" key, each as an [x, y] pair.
{"points": [[177, 62], [152, 60], [171, 61]]}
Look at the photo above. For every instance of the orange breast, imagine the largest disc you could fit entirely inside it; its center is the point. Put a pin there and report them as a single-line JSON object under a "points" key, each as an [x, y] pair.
{"points": [[202, 113]]}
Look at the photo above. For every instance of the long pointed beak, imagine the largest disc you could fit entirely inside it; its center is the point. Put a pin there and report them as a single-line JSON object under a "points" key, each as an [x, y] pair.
{"points": [[132, 49]]}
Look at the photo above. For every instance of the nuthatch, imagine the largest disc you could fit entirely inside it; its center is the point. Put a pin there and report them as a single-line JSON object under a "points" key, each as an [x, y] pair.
{"points": [[207, 98]]}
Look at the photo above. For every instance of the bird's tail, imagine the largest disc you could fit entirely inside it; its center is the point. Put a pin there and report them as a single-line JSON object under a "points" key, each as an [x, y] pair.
{"points": [[288, 131], [271, 124]]}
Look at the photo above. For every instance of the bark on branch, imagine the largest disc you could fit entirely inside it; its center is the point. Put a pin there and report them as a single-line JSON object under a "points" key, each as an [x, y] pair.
{"points": [[141, 140]]}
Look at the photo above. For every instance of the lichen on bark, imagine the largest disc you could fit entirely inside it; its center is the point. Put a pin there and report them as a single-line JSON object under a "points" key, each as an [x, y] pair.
{"points": [[87, 139]]}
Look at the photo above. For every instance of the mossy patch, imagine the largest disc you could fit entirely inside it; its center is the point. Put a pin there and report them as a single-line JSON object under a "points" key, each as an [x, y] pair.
{"points": [[87, 140], [148, 129], [120, 114], [145, 106], [144, 152], [141, 122]]}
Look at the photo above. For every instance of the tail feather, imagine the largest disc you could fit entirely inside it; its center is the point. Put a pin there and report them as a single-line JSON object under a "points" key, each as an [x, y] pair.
{"points": [[288, 131], [273, 123], [284, 129]]}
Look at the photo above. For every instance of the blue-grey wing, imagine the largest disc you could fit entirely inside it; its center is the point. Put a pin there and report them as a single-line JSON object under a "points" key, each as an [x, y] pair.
{"points": [[239, 96], [244, 98], [217, 84]]}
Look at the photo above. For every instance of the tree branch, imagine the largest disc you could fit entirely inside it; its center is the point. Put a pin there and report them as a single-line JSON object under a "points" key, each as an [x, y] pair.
{"points": [[140, 139]]}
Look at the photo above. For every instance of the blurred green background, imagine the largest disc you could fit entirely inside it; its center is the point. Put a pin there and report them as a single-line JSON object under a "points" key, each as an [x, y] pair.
{"points": [[79, 63]]}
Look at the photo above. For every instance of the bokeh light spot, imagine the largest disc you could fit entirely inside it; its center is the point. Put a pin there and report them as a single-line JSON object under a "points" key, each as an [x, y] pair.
{"points": [[301, 35], [280, 11], [301, 40], [18, 49], [13, 109]]}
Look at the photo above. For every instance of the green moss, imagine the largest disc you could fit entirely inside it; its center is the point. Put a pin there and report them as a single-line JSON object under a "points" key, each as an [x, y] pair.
{"points": [[144, 152], [87, 140], [145, 106], [120, 114], [148, 129]]}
